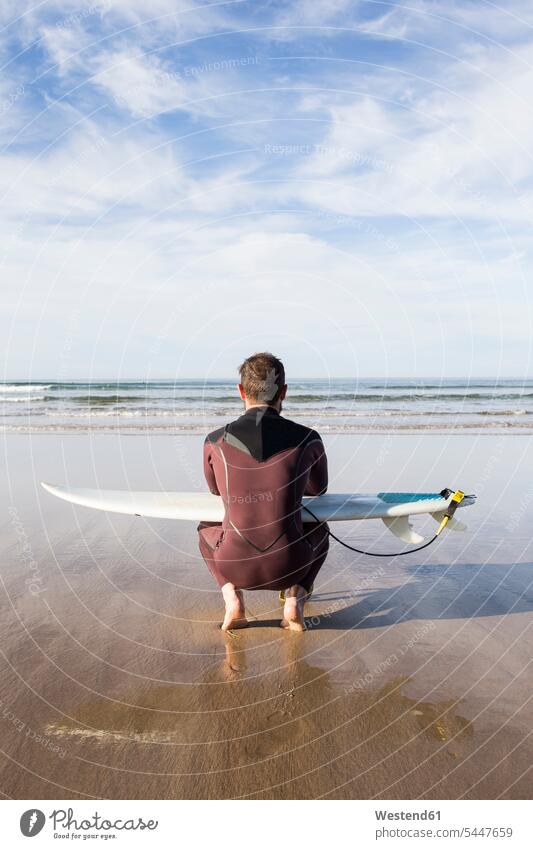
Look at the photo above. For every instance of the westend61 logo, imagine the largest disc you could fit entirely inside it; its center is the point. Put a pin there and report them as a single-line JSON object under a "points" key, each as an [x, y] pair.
{"points": [[33, 820]]}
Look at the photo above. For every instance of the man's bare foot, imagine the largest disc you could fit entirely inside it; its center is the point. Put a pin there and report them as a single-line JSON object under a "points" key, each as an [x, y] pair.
{"points": [[293, 610], [235, 615]]}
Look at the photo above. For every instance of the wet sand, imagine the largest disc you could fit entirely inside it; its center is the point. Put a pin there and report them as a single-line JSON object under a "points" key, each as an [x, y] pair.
{"points": [[413, 680]]}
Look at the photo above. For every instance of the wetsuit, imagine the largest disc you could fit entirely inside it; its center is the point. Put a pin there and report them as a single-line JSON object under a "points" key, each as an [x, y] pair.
{"points": [[262, 464]]}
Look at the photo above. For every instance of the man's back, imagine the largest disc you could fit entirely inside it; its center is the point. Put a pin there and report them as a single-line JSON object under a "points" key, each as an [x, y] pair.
{"points": [[262, 464]]}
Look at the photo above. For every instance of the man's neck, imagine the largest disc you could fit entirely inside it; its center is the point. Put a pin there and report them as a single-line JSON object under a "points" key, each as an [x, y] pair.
{"points": [[259, 405]]}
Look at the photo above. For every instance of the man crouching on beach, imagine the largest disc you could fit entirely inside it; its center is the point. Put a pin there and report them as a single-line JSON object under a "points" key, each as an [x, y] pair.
{"points": [[262, 464]]}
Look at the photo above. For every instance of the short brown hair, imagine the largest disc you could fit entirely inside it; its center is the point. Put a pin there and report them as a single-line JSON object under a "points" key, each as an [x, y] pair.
{"points": [[262, 377]]}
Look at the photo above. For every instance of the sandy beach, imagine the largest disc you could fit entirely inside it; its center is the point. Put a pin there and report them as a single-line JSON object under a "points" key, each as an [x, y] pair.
{"points": [[412, 681]]}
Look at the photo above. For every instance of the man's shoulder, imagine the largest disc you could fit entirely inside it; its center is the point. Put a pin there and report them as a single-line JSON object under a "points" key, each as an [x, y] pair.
{"points": [[307, 434], [298, 433], [215, 436]]}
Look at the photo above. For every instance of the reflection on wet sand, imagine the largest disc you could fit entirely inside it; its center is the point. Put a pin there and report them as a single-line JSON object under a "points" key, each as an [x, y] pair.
{"points": [[283, 734]]}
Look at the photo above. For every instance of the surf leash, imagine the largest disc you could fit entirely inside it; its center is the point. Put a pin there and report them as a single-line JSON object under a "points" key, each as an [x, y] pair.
{"points": [[457, 497]]}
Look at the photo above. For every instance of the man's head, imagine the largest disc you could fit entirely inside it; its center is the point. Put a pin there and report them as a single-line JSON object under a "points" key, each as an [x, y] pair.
{"points": [[262, 381]]}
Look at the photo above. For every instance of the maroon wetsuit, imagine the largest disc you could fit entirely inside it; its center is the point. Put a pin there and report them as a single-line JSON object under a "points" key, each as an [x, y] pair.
{"points": [[262, 464]]}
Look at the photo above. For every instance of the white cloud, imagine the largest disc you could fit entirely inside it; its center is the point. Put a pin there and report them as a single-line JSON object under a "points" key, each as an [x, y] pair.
{"points": [[145, 193], [138, 84], [454, 23], [463, 150]]}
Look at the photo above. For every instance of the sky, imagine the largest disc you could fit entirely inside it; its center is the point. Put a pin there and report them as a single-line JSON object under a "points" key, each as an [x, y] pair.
{"points": [[346, 184]]}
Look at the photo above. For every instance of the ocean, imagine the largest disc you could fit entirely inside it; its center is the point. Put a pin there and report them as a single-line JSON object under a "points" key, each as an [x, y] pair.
{"points": [[330, 405]]}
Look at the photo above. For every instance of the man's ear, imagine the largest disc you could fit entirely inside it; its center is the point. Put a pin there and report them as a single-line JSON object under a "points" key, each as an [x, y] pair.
{"points": [[283, 393], [242, 393]]}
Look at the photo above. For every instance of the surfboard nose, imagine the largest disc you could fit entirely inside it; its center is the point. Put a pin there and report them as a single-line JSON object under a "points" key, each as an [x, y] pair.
{"points": [[53, 489]]}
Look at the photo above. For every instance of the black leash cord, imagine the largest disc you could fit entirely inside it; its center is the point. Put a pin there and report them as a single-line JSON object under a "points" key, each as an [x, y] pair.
{"points": [[372, 553]]}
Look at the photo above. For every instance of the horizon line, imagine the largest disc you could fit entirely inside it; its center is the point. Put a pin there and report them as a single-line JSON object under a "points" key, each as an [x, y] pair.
{"points": [[6, 380]]}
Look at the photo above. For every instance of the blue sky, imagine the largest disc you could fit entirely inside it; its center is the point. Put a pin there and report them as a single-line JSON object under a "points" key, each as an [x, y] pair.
{"points": [[348, 184]]}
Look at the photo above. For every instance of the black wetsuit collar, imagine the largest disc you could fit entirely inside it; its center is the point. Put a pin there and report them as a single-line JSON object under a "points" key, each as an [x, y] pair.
{"points": [[261, 432], [261, 408]]}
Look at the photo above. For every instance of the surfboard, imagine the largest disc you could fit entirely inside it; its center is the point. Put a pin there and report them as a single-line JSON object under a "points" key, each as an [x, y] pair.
{"points": [[394, 508]]}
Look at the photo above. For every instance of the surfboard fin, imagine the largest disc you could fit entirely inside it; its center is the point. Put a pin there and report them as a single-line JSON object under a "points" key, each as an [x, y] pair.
{"points": [[453, 524], [401, 527]]}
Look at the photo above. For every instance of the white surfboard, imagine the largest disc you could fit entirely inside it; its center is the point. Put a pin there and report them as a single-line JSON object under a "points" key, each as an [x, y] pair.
{"points": [[394, 508]]}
